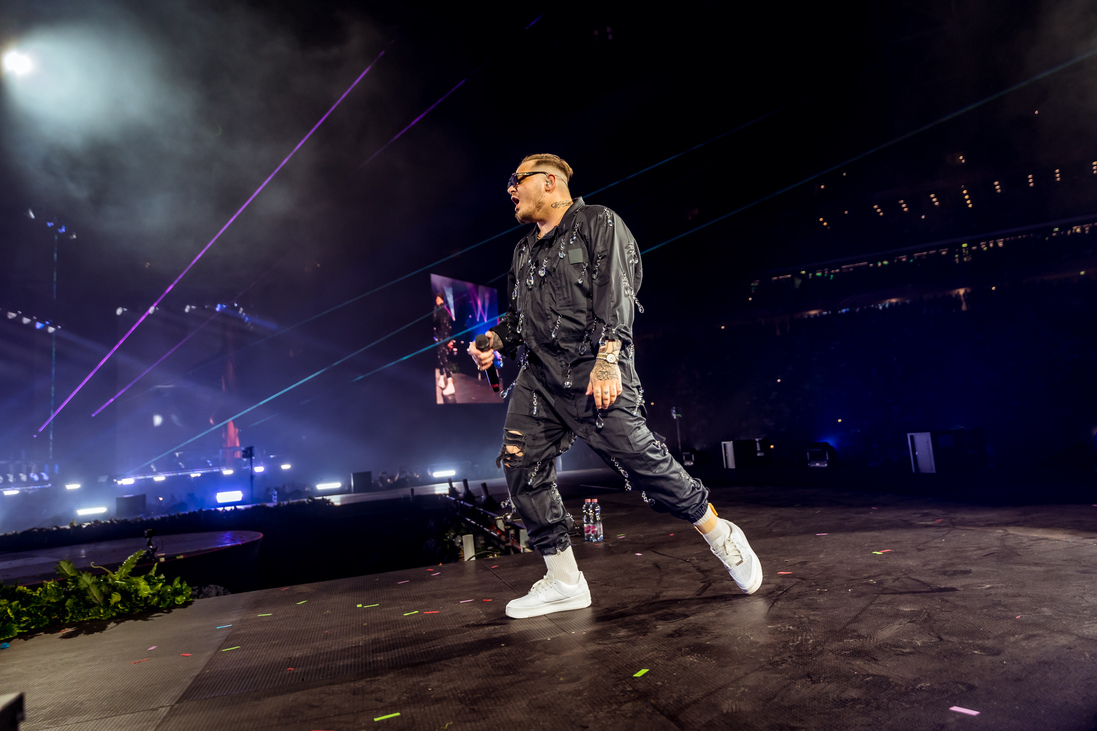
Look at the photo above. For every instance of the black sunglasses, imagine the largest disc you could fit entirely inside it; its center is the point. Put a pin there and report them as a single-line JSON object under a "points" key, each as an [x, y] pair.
{"points": [[516, 178]]}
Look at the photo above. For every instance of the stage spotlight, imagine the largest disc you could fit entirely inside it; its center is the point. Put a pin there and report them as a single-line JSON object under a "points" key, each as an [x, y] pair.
{"points": [[17, 63], [286, 466], [159, 478], [195, 474], [227, 471], [444, 473], [91, 511], [72, 486], [11, 492], [127, 481], [260, 468], [232, 496], [12, 315], [25, 320], [328, 485], [45, 476]]}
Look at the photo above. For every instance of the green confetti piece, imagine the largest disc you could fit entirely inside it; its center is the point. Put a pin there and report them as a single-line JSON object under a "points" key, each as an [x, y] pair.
{"points": [[369, 605], [263, 615], [359, 606], [231, 648], [878, 553], [303, 601], [382, 718], [637, 675], [407, 613]]}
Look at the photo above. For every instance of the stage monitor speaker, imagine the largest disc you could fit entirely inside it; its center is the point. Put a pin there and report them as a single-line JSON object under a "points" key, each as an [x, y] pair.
{"points": [[129, 506], [11, 711], [361, 481]]}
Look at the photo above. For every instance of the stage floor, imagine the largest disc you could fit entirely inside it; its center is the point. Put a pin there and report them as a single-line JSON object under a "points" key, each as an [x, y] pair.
{"points": [[877, 611]]}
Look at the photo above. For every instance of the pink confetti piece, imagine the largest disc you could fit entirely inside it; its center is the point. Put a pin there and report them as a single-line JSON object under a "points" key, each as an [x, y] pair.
{"points": [[671, 535], [822, 534], [404, 581], [283, 588], [434, 612], [1018, 616], [639, 554], [495, 566], [968, 711], [137, 661], [466, 601], [185, 654], [487, 600], [437, 574], [886, 550], [782, 573], [152, 648]]}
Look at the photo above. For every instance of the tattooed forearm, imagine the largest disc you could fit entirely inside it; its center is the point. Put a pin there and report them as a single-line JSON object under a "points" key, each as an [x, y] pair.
{"points": [[561, 204], [610, 346]]}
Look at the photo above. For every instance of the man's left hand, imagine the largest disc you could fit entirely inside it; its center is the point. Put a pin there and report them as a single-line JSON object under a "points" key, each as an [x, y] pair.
{"points": [[605, 384]]}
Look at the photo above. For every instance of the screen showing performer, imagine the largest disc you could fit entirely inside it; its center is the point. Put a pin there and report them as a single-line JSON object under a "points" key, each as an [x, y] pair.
{"points": [[462, 310]]}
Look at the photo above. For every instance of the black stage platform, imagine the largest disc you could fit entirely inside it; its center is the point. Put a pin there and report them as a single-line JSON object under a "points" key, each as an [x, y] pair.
{"points": [[876, 612]]}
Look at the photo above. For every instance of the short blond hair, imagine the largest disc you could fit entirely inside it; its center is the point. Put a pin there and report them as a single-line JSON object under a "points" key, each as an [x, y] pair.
{"points": [[555, 162]]}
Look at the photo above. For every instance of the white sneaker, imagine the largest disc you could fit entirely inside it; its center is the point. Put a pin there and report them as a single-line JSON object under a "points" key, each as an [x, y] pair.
{"points": [[550, 595], [739, 559]]}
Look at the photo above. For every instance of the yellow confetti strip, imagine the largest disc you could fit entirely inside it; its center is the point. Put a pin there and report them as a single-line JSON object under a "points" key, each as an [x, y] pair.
{"points": [[637, 675], [382, 718]]}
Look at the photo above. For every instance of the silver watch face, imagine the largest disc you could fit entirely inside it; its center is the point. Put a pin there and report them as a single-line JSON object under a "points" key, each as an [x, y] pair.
{"points": [[611, 358]]}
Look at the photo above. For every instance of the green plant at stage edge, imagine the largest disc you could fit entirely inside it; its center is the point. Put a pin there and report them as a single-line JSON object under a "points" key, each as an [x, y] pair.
{"points": [[79, 595]]}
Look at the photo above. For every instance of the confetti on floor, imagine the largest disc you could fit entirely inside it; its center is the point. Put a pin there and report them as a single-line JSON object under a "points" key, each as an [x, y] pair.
{"points": [[231, 648], [410, 613], [639, 554], [822, 534], [434, 612], [302, 601], [487, 600], [782, 573], [224, 625], [184, 654], [263, 615], [4, 645], [404, 581], [137, 661], [968, 711], [495, 566], [637, 675], [152, 648], [369, 605], [382, 718], [466, 601]]}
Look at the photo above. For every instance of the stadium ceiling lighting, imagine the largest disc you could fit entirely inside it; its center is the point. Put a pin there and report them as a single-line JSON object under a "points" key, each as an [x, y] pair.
{"points": [[227, 472], [127, 481], [11, 492], [286, 466], [17, 63], [445, 473], [260, 468], [231, 496], [72, 486], [328, 485], [159, 478], [91, 511]]}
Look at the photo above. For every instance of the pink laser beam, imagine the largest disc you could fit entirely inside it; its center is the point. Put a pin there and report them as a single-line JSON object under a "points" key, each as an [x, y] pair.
{"points": [[207, 246], [413, 122]]}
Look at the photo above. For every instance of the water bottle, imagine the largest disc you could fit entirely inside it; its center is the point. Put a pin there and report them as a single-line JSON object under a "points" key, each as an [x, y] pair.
{"points": [[596, 520], [588, 520]]}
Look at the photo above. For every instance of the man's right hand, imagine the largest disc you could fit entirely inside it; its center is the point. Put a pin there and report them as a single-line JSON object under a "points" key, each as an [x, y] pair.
{"points": [[484, 358]]}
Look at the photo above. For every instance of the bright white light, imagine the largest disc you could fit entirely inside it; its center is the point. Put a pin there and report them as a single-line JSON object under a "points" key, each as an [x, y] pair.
{"points": [[195, 474], [17, 63], [11, 492], [328, 485], [91, 511], [127, 481], [231, 496], [227, 471], [73, 486], [286, 466], [159, 478], [445, 473], [260, 468], [157, 420]]}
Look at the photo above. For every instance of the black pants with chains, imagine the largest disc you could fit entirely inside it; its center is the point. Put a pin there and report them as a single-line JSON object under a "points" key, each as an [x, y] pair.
{"points": [[542, 423]]}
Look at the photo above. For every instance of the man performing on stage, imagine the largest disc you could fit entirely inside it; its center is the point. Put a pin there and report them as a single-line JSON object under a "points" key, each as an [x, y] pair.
{"points": [[572, 293]]}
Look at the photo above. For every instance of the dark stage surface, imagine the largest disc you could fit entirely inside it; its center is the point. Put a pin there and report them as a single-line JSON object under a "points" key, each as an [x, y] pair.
{"points": [[877, 611]]}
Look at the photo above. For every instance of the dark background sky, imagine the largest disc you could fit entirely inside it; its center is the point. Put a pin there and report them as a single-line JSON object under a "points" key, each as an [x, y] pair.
{"points": [[147, 125]]}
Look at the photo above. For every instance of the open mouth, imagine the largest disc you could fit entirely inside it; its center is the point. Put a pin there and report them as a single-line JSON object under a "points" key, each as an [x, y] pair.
{"points": [[515, 201]]}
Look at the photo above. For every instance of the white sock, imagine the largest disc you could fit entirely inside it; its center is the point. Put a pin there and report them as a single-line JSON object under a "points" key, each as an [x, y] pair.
{"points": [[717, 535], [562, 566]]}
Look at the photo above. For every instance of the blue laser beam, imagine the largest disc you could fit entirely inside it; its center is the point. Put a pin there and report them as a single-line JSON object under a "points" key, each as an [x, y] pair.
{"points": [[877, 148], [206, 248], [184, 340], [289, 388]]}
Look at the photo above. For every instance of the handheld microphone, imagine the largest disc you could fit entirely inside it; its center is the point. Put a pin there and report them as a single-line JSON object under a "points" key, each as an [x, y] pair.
{"points": [[493, 374]]}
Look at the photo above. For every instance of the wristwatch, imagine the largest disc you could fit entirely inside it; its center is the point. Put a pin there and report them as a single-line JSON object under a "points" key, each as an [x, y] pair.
{"points": [[610, 358]]}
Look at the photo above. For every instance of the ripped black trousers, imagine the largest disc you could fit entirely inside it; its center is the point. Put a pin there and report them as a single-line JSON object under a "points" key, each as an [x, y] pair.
{"points": [[542, 423]]}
